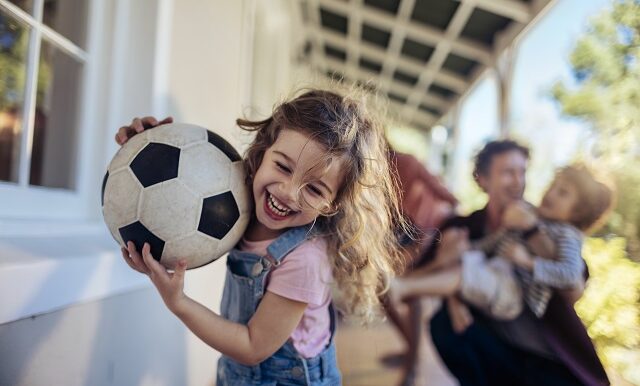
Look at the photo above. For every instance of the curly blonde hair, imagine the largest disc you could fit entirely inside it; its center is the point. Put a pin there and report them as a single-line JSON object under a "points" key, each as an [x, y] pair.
{"points": [[361, 224]]}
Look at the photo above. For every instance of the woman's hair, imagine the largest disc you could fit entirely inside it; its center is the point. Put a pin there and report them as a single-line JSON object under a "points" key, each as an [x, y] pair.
{"points": [[360, 225], [483, 159], [595, 199]]}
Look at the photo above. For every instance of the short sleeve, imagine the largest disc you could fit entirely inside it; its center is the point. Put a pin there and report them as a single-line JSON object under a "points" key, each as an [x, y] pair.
{"points": [[304, 275]]}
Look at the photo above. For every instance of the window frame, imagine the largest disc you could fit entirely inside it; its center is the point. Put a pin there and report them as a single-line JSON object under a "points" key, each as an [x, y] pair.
{"points": [[21, 200]]}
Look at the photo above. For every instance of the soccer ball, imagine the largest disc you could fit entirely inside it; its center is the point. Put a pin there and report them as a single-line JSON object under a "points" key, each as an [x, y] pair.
{"points": [[180, 188]]}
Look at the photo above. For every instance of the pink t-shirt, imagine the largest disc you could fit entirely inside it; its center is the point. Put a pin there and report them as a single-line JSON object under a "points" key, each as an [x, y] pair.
{"points": [[305, 276]]}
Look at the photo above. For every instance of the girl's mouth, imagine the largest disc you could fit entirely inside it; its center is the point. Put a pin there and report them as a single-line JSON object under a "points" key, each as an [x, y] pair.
{"points": [[275, 209]]}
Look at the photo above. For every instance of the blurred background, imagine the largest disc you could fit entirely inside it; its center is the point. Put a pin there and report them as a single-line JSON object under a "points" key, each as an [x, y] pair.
{"points": [[562, 76]]}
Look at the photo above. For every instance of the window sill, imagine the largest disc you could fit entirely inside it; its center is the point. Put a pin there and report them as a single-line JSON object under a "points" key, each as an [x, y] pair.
{"points": [[46, 266]]}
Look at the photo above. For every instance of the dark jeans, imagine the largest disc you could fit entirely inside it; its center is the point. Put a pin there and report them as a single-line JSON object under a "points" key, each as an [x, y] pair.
{"points": [[478, 357]]}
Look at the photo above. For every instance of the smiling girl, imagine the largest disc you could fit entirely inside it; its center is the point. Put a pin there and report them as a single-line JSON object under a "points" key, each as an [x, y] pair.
{"points": [[325, 217]]}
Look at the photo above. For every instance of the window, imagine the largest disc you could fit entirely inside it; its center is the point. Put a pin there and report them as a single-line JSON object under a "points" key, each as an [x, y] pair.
{"points": [[43, 66]]}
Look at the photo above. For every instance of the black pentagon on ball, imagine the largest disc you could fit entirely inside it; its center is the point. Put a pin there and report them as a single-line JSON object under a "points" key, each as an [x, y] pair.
{"points": [[223, 145], [219, 214], [104, 184], [156, 163], [139, 234]]}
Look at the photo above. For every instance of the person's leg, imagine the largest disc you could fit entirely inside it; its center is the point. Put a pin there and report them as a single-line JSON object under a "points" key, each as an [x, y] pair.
{"points": [[456, 351], [543, 371], [476, 357]]}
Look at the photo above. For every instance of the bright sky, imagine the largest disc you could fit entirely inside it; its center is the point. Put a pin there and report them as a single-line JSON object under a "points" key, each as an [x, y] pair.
{"points": [[543, 59]]}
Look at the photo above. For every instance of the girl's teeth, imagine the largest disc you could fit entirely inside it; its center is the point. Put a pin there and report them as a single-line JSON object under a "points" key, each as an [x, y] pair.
{"points": [[275, 206]]}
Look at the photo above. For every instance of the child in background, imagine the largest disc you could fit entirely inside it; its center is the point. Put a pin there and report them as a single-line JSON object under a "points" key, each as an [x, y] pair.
{"points": [[325, 216], [574, 204]]}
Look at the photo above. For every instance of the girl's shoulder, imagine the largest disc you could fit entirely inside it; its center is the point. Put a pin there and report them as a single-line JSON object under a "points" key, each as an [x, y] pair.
{"points": [[315, 246]]}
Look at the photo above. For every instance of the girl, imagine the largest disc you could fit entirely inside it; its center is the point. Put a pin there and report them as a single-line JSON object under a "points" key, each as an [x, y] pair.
{"points": [[574, 204], [325, 213]]}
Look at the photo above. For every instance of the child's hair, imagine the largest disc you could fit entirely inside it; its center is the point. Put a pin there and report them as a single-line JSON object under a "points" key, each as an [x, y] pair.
{"points": [[595, 199], [360, 224]]}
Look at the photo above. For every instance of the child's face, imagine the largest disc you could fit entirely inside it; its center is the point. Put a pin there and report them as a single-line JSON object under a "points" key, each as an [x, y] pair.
{"points": [[559, 201], [280, 176]]}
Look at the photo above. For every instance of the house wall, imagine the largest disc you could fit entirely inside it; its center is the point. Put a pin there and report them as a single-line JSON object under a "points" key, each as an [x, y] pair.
{"points": [[71, 311]]}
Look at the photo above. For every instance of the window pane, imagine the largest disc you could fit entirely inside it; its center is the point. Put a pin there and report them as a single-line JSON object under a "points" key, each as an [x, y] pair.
{"points": [[14, 42], [68, 17], [56, 120], [26, 5]]}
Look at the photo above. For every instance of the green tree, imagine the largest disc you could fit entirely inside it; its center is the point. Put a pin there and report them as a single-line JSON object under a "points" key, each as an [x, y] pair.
{"points": [[606, 94], [609, 307]]}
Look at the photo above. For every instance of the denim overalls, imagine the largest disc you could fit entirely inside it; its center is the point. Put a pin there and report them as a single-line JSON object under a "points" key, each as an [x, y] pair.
{"points": [[243, 289]]}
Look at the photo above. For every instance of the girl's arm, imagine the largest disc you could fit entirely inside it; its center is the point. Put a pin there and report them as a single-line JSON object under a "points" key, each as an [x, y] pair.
{"points": [[268, 329], [250, 344]]}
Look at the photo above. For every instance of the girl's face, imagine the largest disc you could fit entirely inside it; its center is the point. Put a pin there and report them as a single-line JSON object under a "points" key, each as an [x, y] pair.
{"points": [[559, 201], [279, 178]]}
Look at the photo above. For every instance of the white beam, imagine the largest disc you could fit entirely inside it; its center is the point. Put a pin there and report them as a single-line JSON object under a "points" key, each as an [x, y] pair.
{"points": [[422, 33], [460, 18], [364, 76], [354, 30], [444, 77], [511, 9], [398, 33]]}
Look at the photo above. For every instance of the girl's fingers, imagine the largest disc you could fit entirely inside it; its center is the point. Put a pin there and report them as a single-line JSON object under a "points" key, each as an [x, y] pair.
{"points": [[122, 135], [180, 268], [136, 259], [155, 267], [166, 120], [149, 122], [136, 124], [127, 259]]}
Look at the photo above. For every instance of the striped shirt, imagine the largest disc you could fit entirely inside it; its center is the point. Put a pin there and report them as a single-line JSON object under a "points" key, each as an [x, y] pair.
{"points": [[564, 271]]}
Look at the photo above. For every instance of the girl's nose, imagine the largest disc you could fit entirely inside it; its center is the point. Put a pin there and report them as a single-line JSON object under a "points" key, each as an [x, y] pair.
{"points": [[289, 192]]}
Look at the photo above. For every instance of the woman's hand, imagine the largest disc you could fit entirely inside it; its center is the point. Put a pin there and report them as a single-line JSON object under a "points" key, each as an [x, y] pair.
{"points": [[138, 125], [170, 285]]}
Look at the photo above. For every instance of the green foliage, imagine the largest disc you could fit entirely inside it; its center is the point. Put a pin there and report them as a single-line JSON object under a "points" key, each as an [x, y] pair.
{"points": [[13, 56], [609, 307], [606, 68]]}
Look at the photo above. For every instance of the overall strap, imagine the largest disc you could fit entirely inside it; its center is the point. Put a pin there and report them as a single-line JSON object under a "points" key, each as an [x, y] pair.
{"points": [[287, 242]]}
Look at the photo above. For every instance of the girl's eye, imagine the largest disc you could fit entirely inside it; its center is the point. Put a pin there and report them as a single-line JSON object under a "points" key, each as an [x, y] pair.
{"points": [[313, 189], [283, 168]]}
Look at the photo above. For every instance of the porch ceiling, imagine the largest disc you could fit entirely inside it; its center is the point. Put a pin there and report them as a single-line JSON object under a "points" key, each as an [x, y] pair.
{"points": [[423, 54]]}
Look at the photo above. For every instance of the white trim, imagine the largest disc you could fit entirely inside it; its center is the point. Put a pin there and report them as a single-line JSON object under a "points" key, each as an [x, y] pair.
{"points": [[37, 202], [83, 265], [34, 21], [162, 61], [21, 200], [30, 94]]}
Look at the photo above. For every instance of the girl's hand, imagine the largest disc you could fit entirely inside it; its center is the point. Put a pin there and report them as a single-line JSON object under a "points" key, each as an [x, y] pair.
{"points": [[170, 285], [519, 215], [138, 125], [518, 254]]}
